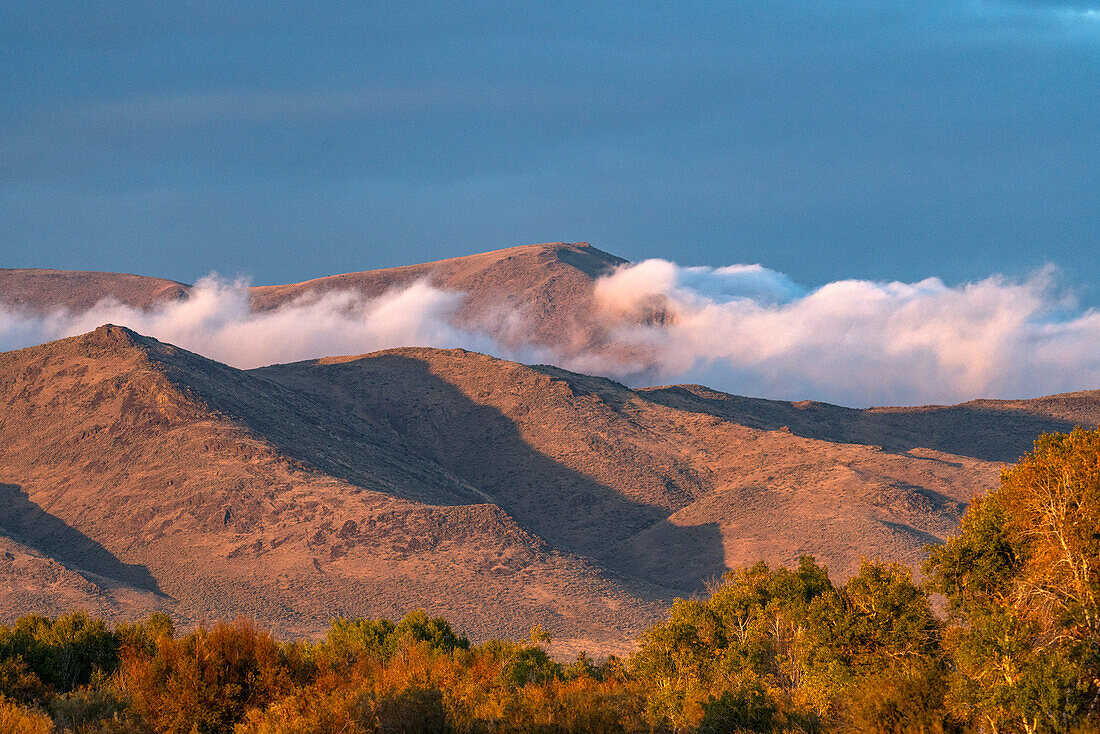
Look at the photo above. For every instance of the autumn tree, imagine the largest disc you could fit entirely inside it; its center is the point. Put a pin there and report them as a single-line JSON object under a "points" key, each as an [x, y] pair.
{"points": [[1022, 580], [206, 682]]}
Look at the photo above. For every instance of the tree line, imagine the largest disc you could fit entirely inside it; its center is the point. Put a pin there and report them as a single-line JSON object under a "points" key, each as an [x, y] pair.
{"points": [[1014, 649]]}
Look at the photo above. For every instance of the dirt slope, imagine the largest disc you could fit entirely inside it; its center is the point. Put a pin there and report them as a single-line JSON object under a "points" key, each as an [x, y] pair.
{"points": [[674, 485]]}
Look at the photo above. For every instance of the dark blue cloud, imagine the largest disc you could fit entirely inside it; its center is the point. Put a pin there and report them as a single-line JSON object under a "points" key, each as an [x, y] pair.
{"points": [[288, 140]]}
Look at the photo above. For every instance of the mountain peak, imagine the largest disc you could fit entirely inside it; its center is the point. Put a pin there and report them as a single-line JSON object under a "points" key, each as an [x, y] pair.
{"points": [[113, 333], [115, 338]]}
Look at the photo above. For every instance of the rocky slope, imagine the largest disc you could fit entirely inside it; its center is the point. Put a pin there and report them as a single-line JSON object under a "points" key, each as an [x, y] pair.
{"points": [[137, 476]]}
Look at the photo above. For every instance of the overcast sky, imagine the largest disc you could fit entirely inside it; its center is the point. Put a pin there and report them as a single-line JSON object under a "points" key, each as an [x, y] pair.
{"points": [[284, 141]]}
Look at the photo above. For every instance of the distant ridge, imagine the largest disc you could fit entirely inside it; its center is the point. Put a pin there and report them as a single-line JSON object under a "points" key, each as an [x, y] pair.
{"points": [[79, 290], [494, 269], [549, 285]]}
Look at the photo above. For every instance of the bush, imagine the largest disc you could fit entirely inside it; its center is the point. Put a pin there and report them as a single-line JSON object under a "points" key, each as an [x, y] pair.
{"points": [[88, 710], [16, 719], [63, 653], [206, 682], [142, 637], [528, 665], [748, 707], [353, 640], [309, 712], [416, 710], [18, 682], [419, 627]]}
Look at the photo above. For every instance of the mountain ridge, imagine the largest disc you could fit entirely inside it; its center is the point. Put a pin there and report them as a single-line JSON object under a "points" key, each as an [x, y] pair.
{"points": [[111, 440], [529, 295]]}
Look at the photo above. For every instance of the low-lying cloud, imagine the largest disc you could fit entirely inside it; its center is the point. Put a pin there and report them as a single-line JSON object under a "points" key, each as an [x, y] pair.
{"points": [[743, 329], [857, 342], [216, 321]]}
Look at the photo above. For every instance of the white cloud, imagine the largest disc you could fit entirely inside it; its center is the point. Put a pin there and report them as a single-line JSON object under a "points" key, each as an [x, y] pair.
{"points": [[855, 342], [743, 329], [215, 321]]}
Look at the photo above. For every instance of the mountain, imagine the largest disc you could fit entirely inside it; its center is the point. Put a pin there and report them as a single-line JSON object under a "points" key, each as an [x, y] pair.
{"points": [[677, 484], [165, 480], [136, 475], [548, 286]]}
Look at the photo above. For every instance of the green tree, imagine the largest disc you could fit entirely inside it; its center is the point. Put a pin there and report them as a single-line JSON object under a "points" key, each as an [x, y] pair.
{"points": [[888, 646], [417, 626], [750, 635], [360, 639], [63, 653]]}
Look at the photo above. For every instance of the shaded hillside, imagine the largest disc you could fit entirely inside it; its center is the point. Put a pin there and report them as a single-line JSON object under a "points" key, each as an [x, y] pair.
{"points": [[555, 450], [663, 487], [137, 476], [994, 430]]}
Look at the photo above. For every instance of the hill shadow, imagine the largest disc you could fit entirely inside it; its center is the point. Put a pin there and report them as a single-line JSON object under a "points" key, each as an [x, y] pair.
{"points": [[323, 436], [980, 432], [31, 525], [482, 446]]}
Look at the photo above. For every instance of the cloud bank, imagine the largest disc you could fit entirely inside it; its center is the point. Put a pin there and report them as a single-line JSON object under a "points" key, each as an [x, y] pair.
{"points": [[215, 321], [754, 331], [743, 329]]}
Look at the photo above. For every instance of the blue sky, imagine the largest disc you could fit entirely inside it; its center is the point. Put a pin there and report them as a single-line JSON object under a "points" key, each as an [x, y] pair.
{"points": [[284, 141]]}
